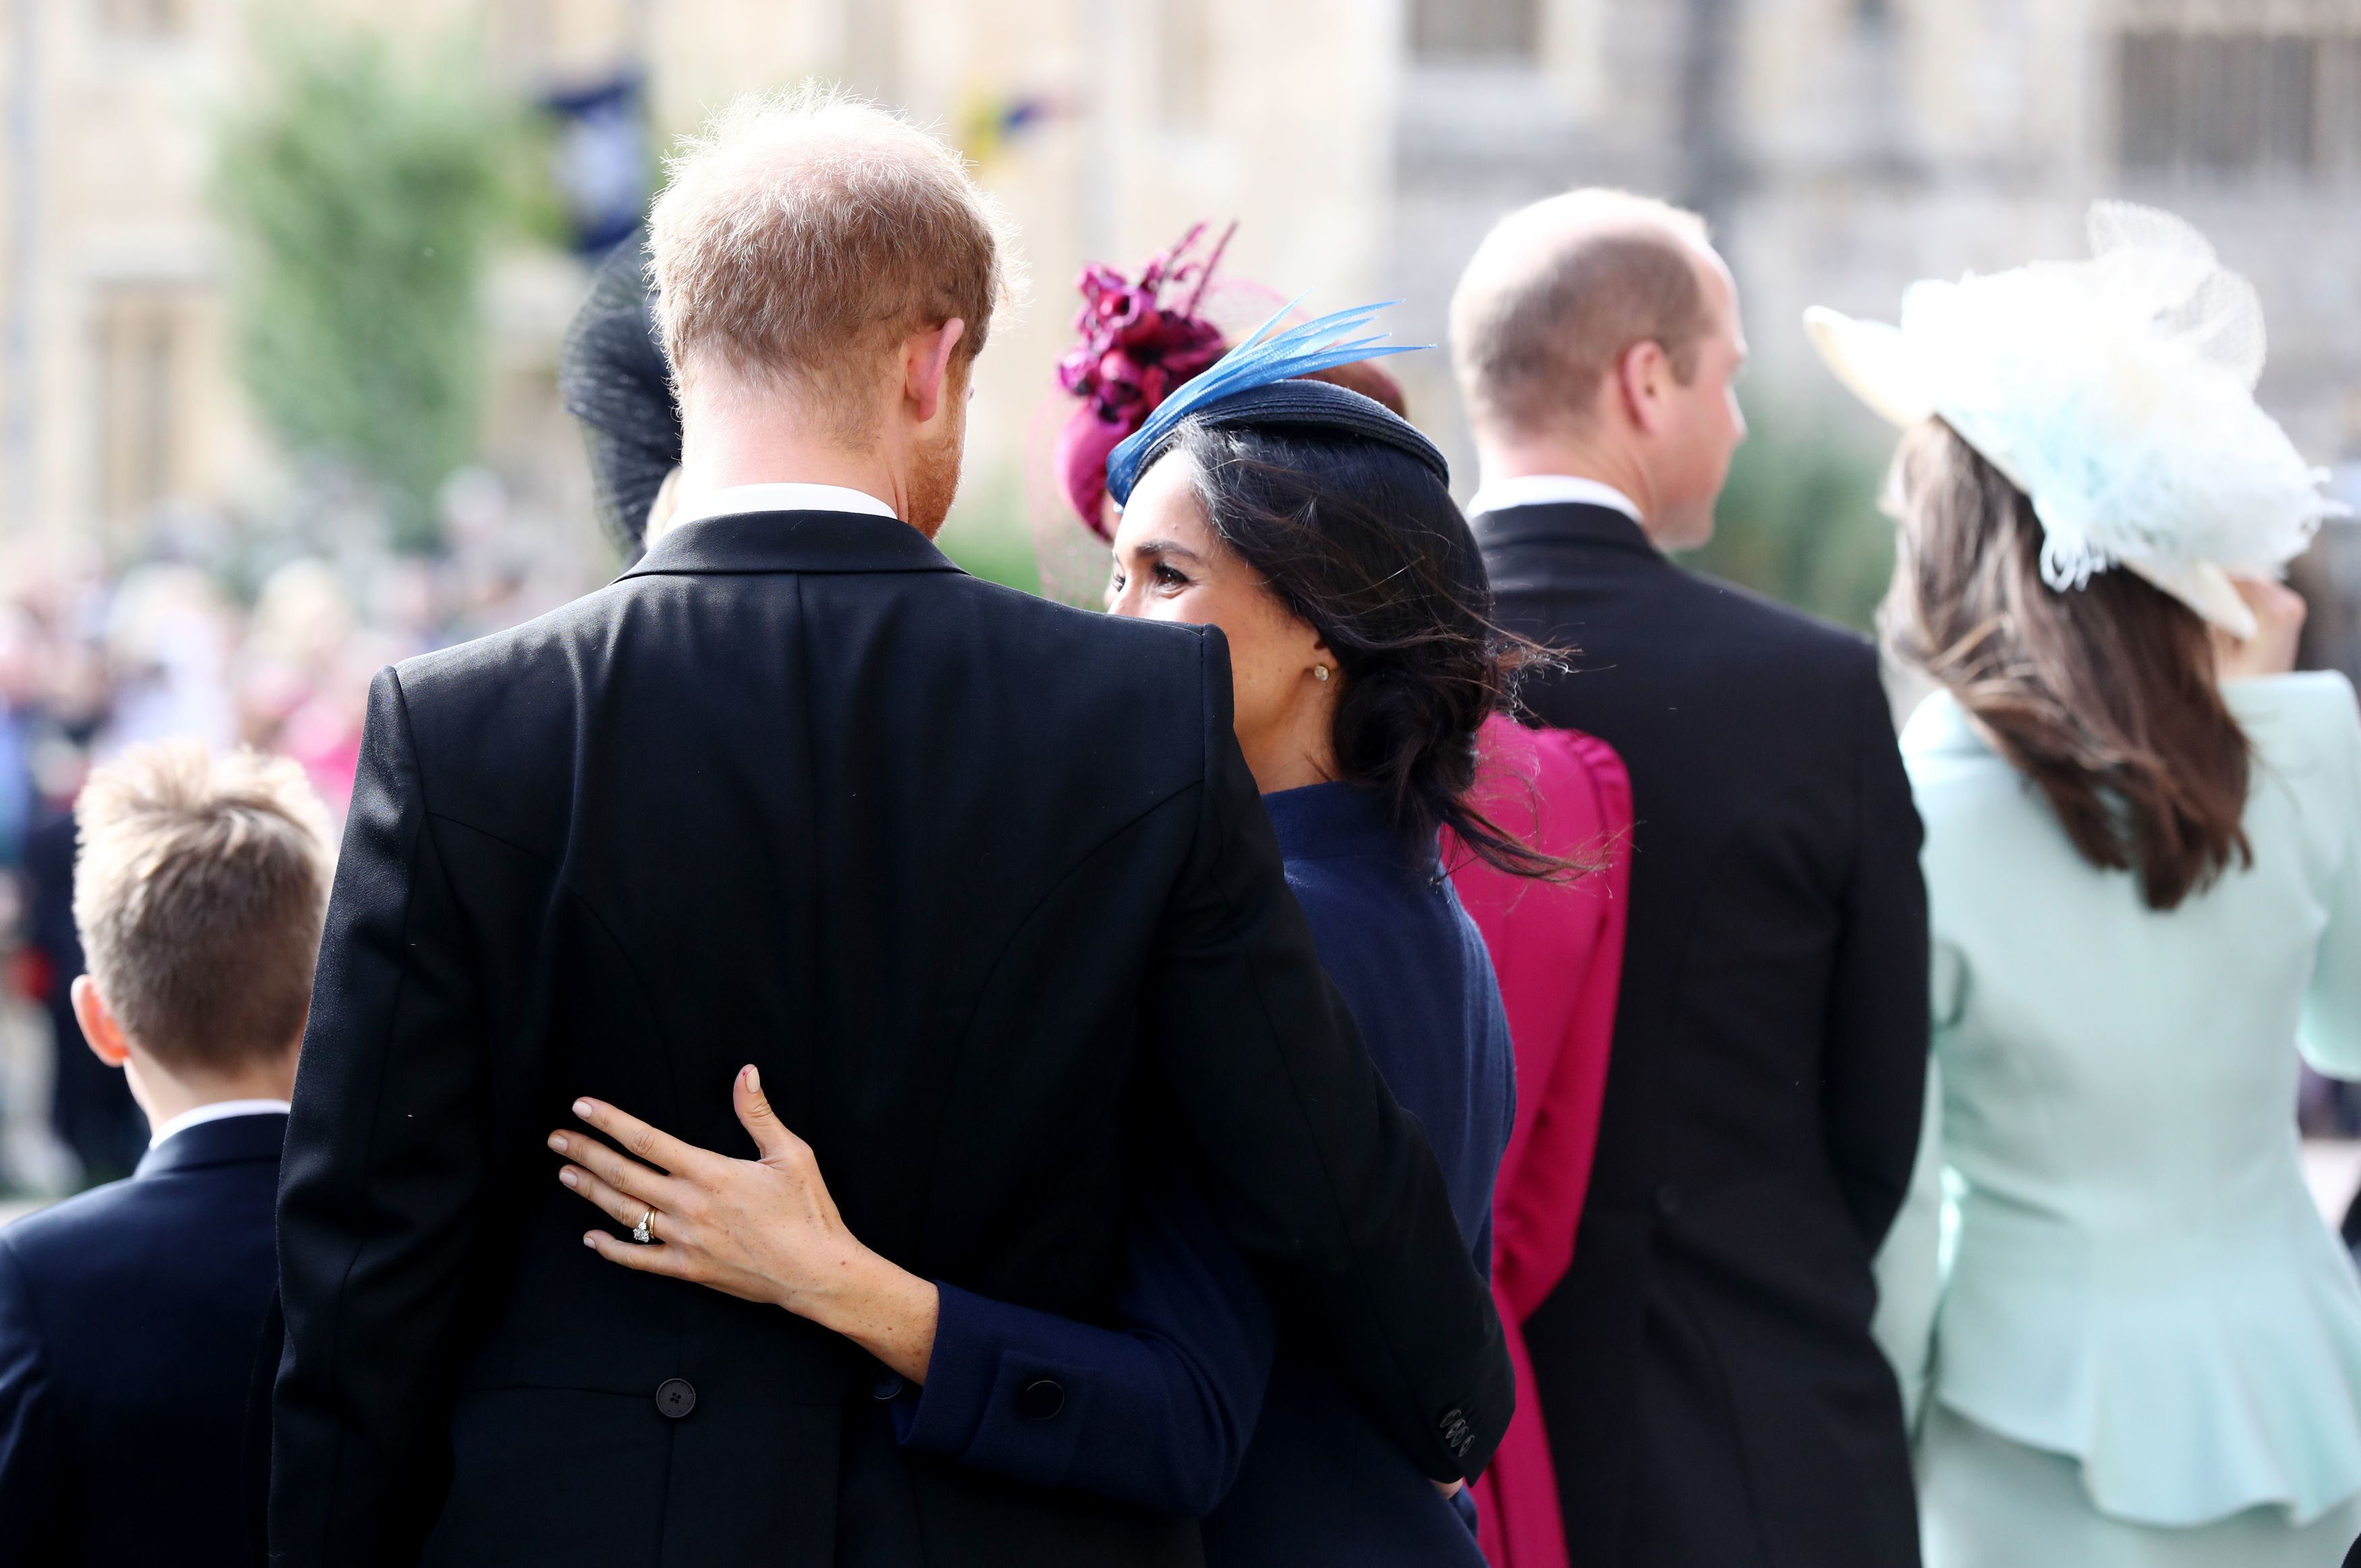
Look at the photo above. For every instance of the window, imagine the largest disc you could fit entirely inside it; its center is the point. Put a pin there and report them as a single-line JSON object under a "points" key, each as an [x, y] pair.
{"points": [[1185, 63], [145, 19], [2231, 102], [1476, 31], [141, 346]]}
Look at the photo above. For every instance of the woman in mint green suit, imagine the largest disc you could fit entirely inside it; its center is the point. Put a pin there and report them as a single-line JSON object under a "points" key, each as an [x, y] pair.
{"points": [[2135, 1344]]}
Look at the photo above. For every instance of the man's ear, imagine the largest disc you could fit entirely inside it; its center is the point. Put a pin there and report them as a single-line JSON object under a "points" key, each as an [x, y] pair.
{"points": [[106, 1039], [927, 356], [1641, 380]]}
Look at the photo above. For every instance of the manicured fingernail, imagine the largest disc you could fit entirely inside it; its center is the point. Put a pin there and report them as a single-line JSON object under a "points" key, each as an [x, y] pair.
{"points": [[590, 1241], [754, 1078], [568, 1177], [582, 1108], [557, 1142]]}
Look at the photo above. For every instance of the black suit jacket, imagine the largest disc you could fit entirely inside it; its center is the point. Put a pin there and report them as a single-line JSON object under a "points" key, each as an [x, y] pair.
{"points": [[981, 883], [130, 1319], [1705, 1369]]}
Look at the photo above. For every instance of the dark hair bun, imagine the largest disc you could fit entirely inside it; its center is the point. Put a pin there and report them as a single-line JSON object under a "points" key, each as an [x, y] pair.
{"points": [[1359, 539]]}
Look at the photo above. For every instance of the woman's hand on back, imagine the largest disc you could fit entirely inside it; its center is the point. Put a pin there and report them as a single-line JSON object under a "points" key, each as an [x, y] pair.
{"points": [[763, 1229], [2279, 622]]}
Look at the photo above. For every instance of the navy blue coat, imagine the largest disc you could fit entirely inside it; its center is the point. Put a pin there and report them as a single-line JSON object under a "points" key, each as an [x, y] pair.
{"points": [[1201, 1401], [131, 1321]]}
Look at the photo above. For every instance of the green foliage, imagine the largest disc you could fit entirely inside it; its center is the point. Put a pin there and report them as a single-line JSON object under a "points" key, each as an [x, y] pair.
{"points": [[362, 188], [1799, 520], [997, 555], [986, 533]]}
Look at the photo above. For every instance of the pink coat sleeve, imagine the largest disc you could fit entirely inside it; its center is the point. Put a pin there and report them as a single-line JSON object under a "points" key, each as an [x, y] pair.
{"points": [[1557, 949]]}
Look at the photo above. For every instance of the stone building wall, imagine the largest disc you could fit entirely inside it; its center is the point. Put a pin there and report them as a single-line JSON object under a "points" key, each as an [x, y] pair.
{"points": [[120, 410], [1145, 115], [1843, 148]]}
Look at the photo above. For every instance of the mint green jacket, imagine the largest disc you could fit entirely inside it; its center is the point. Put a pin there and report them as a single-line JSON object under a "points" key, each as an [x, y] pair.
{"points": [[2109, 1252]]}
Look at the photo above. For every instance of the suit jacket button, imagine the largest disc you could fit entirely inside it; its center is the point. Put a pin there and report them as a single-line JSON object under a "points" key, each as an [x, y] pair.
{"points": [[887, 1384], [1668, 1199], [675, 1398], [1041, 1400]]}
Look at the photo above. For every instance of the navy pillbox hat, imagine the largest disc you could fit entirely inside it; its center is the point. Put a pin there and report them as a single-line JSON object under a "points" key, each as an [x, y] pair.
{"points": [[1313, 408]]}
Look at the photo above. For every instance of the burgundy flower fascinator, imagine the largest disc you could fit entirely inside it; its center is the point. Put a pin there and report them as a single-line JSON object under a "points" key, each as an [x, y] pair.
{"points": [[1141, 340]]}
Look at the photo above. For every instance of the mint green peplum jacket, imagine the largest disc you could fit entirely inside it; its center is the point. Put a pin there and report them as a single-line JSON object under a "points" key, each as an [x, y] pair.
{"points": [[2129, 1270]]}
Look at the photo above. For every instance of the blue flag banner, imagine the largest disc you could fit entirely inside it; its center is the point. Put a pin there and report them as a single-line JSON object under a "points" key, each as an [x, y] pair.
{"points": [[600, 164]]}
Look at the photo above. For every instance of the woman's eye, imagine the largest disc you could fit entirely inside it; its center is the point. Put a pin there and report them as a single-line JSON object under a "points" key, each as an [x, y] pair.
{"points": [[1169, 577]]}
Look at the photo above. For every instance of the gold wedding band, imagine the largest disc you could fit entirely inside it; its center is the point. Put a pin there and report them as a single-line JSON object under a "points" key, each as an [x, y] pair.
{"points": [[640, 1233]]}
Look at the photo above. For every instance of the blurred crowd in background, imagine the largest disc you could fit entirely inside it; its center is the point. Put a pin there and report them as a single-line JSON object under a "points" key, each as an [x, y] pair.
{"points": [[268, 643]]}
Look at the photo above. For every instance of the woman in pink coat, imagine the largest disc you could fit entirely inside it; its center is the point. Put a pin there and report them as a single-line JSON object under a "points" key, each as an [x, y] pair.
{"points": [[1557, 948]]}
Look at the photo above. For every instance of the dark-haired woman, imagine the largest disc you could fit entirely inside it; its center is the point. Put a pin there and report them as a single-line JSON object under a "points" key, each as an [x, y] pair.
{"points": [[1315, 528], [1351, 596], [2143, 861]]}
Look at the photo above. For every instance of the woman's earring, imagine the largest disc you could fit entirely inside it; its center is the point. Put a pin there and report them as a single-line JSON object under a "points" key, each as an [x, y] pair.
{"points": [[1320, 672]]}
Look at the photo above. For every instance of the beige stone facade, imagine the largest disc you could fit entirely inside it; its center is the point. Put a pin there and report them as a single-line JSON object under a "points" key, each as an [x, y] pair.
{"points": [[120, 397], [1843, 148]]}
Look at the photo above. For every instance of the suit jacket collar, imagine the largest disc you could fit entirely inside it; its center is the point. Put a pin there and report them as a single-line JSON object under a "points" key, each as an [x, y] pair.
{"points": [[233, 1140], [1565, 522], [790, 542]]}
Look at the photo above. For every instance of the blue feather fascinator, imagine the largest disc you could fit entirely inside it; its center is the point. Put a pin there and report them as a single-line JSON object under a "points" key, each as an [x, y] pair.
{"points": [[1263, 357]]}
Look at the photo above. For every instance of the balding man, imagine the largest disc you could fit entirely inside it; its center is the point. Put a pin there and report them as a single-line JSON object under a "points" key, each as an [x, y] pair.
{"points": [[980, 883], [1711, 1390]]}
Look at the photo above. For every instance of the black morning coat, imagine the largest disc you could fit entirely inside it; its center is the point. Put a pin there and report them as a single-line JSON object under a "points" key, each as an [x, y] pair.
{"points": [[1707, 1374], [983, 885]]}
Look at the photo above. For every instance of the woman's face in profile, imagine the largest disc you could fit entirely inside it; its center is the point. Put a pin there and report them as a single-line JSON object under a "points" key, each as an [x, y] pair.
{"points": [[1169, 565]]}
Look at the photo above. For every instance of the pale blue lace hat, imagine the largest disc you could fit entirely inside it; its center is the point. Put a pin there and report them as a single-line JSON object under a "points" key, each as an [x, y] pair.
{"points": [[2119, 394]]}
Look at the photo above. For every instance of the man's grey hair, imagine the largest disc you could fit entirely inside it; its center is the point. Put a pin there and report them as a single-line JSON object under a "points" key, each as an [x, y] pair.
{"points": [[199, 886], [1559, 291], [805, 233]]}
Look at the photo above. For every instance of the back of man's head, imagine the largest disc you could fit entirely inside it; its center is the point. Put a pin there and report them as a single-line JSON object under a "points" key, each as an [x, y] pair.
{"points": [[199, 886], [1559, 291], [804, 235]]}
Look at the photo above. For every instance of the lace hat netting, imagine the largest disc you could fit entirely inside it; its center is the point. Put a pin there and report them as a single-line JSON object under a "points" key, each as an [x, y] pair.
{"points": [[613, 377], [2119, 394]]}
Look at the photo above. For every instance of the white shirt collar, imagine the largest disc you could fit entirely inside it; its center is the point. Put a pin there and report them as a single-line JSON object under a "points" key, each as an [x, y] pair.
{"points": [[734, 500], [220, 1110], [1549, 489]]}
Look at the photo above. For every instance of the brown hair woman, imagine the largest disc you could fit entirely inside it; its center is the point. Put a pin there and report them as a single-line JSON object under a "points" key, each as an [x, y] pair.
{"points": [[2142, 1346]]}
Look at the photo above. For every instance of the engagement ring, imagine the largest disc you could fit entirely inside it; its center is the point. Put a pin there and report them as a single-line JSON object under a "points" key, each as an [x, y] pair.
{"points": [[640, 1233]]}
